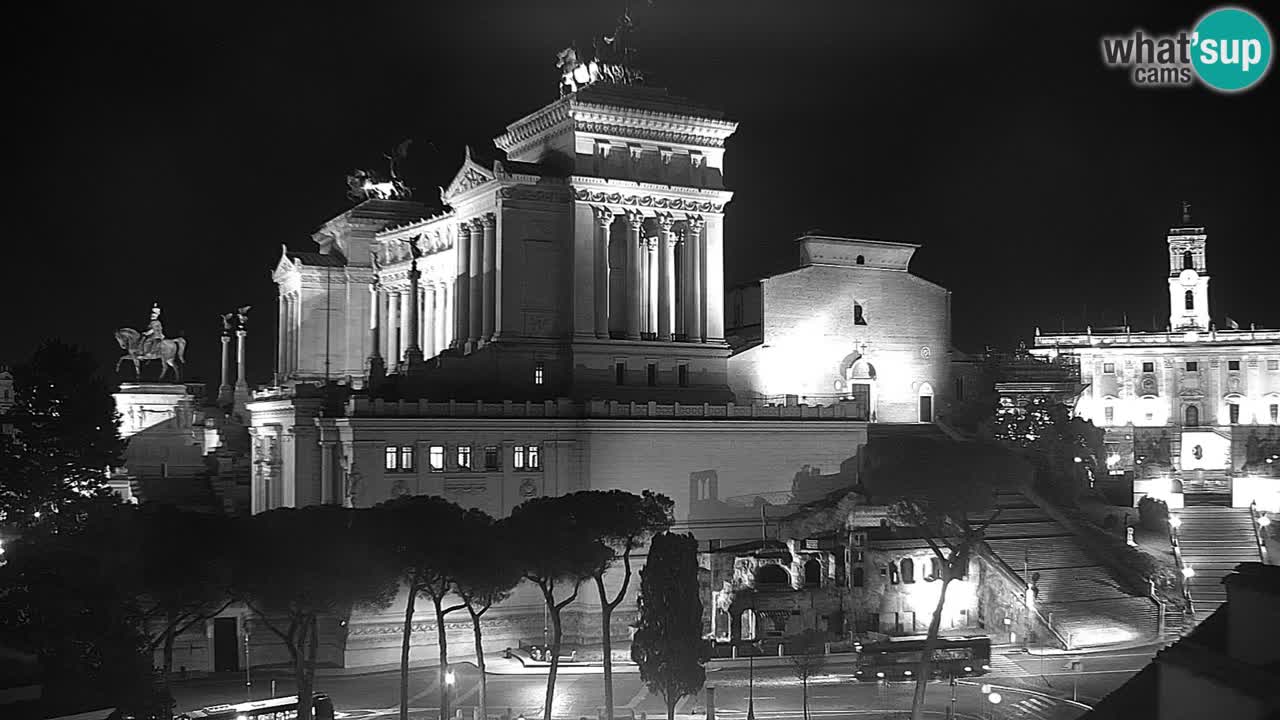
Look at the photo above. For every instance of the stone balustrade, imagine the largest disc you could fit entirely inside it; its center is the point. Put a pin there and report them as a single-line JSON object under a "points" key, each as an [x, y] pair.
{"points": [[564, 408], [1223, 337]]}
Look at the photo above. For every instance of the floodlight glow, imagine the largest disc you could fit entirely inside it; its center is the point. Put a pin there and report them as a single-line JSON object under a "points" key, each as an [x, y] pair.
{"points": [[907, 673], [986, 667], [1175, 521], [994, 698], [449, 677], [880, 674], [1188, 572], [985, 689], [968, 669], [1263, 521]]}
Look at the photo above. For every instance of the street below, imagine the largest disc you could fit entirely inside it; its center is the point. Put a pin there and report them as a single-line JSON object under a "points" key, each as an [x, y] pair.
{"points": [[1028, 686]]}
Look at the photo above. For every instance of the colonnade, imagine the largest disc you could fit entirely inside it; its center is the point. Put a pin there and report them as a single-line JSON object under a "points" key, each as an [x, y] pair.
{"points": [[666, 278], [290, 325], [392, 309]]}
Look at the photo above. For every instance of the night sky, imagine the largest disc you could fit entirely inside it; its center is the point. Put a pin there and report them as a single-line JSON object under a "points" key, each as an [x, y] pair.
{"points": [[165, 153]]}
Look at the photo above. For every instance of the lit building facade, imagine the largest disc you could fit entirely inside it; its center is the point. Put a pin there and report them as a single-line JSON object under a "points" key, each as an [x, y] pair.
{"points": [[560, 326], [1196, 406]]}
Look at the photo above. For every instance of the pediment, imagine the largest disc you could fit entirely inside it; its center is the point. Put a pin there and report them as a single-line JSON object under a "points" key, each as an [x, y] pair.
{"points": [[284, 266], [470, 176]]}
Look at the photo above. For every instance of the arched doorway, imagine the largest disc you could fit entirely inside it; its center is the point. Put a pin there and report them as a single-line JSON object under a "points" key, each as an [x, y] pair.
{"points": [[772, 575], [1192, 416], [926, 403], [812, 573], [860, 384]]}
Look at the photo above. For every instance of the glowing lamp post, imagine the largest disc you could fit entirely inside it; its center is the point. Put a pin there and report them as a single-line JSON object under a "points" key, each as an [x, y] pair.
{"points": [[1263, 521], [1188, 572], [1175, 521]]}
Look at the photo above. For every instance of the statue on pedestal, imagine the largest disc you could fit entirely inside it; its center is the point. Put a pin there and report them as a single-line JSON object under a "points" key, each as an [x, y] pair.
{"points": [[151, 344]]}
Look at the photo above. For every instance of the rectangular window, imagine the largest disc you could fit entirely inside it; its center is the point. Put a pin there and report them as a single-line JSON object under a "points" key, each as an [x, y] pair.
{"points": [[392, 458], [1193, 366], [653, 374], [1148, 367], [682, 375], [534, 455], [959, 389], [538, 370], [436, 458], [1233, 410], [491, 458], [1233, 364], [1110, 414], [464, 457], [518, 461], [406, 458], [1273, 364], [1109, 368], [620, 373]]}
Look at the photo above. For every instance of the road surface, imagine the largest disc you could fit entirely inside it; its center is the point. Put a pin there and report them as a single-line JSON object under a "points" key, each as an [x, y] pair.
{"points": [[1030, 688]]}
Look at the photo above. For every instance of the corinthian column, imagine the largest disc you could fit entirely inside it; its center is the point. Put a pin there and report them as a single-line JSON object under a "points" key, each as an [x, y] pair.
{"points": [[462, 286], [429, 320], [393, 325], [475, 315], [693, 324], [713, 269], [413, 351], [666, 277], [281, 337], [604, 220], [224, 390], [377, 369], [634, 223], [489, 223], [406, 313], [651, 285]]}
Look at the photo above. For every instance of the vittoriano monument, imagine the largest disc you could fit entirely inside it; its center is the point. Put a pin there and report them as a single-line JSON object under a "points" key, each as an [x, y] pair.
{"points": [[151, 344]]}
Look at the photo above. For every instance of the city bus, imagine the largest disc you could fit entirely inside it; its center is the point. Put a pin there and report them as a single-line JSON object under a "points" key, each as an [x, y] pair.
{"points": [[285, 708], [899, 658]]}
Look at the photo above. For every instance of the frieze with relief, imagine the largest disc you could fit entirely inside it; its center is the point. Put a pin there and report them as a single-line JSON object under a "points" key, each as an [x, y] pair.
{"points": [[661, 203]]}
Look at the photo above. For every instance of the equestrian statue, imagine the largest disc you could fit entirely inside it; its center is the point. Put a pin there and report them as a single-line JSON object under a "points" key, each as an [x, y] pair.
{"points": [[151, 344]]}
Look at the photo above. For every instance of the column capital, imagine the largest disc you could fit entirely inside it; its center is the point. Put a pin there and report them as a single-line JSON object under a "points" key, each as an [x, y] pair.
{"points": [[464, 228], [695, 222], [666, 222], [488, 221], [635, 219], [604, 216], [477, 225]]}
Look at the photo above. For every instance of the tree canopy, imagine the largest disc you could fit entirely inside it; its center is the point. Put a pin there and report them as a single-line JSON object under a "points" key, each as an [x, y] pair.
{"points": [[67, 439], [668, 644]]}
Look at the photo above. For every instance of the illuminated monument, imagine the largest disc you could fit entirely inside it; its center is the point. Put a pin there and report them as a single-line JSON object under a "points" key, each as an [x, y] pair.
{"points": [[1195, 408], [559, 325]]}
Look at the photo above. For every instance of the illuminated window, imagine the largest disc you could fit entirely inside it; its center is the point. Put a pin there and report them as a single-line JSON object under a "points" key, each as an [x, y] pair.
{"points": [[1148, 367], [652, 374], [893, 573], [1233, 364], [1190, 300], [399, 458], [858, 319], [464, 457], [406, 458], [1109, 368], [908, 570], [491, 457], [538, 370], [682, 375], [436, 458], [1193, 366], [1233, 411], [527, 457], [1110, 414], [392, 458], [620, 373]]}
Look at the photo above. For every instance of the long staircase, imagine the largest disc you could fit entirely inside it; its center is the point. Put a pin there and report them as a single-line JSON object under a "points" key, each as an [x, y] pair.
{"points": [[1213, 541], [1078, 594]]}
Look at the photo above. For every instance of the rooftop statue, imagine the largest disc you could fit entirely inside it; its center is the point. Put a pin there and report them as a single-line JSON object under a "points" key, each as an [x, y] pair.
{"points": [[612, 61], [151, 344], [369, 185]]}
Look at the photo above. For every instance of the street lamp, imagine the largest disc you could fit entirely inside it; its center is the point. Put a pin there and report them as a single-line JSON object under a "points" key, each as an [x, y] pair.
{"points": [[449, 679], [1188, 572], [1175, 521], [1263, 521]]}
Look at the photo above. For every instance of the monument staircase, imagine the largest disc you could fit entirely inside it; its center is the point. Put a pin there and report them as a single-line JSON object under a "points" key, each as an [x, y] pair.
{"points": [[1205, 487], [1079, 595], [1213, 540]]}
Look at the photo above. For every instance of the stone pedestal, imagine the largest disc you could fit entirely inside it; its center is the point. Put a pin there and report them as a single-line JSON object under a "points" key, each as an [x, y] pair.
{"points": [[157, 420]]}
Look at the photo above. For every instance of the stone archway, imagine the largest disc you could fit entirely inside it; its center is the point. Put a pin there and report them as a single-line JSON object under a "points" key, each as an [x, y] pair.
{"points": [[860, 384], [925, 403]]}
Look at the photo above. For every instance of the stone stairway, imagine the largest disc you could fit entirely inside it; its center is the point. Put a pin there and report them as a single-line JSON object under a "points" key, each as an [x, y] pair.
{"points": [[1086, 603], [1214, 540]]}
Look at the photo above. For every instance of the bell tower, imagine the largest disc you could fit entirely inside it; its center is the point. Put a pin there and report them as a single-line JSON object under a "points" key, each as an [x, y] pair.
{"points": [[1188, 275]]}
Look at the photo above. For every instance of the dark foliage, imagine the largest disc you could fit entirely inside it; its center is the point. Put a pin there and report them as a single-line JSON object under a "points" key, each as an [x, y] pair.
{"points": [[1153, 513], [668, 644]]}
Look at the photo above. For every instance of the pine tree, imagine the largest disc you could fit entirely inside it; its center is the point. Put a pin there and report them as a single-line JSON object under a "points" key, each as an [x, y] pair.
{"points": [[668, 644]]}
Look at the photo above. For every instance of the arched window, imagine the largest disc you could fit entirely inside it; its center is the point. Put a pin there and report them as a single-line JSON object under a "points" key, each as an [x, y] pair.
{"points": [[859, 577], [1192, 416], [893, 574], [812, 573], [1190, 300], [772, 575], [858, 319], [1188, 261], [861, 260], [908, 570], [935, 569]]}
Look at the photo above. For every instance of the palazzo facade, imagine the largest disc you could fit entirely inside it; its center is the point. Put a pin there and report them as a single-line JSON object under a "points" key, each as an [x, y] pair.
{"points": [[1197, 404]]}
